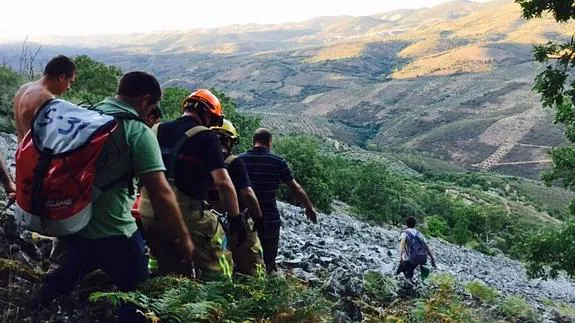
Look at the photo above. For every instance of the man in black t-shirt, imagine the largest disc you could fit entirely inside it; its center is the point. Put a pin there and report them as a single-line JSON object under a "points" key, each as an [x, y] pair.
{"points": [[194, 163], [247, 256], [267, 171]]}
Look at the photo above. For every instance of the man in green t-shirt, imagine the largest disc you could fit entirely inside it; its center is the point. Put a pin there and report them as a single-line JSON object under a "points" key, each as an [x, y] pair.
{"points": [[111, 241]]}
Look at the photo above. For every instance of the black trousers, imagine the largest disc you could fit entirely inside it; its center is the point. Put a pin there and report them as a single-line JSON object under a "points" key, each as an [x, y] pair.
{"points": [[269, 234], [122, 258], [407, 268]]}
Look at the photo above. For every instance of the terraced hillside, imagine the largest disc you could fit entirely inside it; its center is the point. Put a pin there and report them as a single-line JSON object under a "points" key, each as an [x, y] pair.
{"points": [[284, 123], [453, 81]]}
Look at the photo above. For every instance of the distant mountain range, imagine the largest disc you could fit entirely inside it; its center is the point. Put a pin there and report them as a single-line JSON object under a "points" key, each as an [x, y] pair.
{"points": [[453, 81]]}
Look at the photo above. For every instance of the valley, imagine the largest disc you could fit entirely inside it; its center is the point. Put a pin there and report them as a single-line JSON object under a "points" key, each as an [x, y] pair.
{"points": [[453, 81]]}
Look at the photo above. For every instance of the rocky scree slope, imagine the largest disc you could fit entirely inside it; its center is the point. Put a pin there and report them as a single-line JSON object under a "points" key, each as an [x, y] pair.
{"points": [[341, 248]]}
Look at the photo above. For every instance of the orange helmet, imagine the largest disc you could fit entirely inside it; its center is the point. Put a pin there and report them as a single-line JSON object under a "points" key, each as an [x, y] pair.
{"points": [[207, 99]]}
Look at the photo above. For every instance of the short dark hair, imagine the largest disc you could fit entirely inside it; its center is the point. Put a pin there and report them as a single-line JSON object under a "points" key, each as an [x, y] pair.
{"points": [[262, 136], [136, 84], [156, 113], [60, 65], [410, 222]]}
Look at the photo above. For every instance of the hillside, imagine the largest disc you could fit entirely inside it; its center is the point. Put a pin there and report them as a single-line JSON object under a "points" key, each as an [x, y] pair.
{"points": [[334, 259], [453, 81]]}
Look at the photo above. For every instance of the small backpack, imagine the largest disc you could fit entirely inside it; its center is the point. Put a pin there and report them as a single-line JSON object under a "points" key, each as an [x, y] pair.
{"points": [[416, 249], [57, 163]]}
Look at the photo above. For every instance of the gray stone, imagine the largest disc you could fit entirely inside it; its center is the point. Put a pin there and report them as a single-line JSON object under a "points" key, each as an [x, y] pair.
{"points": [[347, 248]]}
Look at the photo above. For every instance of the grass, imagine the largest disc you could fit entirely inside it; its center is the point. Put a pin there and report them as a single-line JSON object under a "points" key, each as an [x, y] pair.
{"points": [[566, 310], [464, 150], [517, 309], [463, 129], [444, 304], [382, 289], [481, 292], [337, 52], [458, 60], [422, 164]]}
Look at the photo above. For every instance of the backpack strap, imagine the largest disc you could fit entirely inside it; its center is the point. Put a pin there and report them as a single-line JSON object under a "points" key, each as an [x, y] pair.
{"points": [[173, 153], [125, 116], [128, 175], [122, 115], [86, 104], [155, 129], [408, 234], [412, 236], [230, 159], [40, 172]]}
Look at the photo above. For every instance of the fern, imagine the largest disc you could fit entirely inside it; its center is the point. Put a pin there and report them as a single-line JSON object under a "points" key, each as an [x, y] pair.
{"points": [[176, 299], [117, 299]]}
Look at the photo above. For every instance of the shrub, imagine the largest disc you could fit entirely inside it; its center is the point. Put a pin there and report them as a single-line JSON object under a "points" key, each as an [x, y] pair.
{"points": [[516, 308], [436, 226], [379, 287], [566, 310], [443, 305], [308, 166], [443, 281], [9, 82], [481, 292], [551, 251], [393, 319]]}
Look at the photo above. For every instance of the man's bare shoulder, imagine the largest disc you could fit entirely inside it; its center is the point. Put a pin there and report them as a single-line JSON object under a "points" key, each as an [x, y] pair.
{"points": [[32, 94], [26, 87]]}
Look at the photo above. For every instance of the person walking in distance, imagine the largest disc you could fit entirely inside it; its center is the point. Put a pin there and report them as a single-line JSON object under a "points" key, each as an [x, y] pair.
{"points": [[413, 251]]}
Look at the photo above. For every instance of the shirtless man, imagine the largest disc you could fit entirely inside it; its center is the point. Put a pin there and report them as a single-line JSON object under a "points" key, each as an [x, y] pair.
{"points": [[59, 74]]}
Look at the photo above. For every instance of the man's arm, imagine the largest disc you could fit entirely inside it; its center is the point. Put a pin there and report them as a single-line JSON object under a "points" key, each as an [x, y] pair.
{"points": [[301, 196], [401, 248], [6, 179], [229, 199], [166, 208], [251, 201], [430, 255], [226, 190]]}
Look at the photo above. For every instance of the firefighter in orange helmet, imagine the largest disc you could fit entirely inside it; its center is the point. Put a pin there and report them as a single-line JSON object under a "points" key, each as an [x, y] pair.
{"points": [[194, 163]]}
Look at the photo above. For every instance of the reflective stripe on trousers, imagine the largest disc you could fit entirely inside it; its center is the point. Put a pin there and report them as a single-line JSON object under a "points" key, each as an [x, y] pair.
{"points": [[211, 253]]}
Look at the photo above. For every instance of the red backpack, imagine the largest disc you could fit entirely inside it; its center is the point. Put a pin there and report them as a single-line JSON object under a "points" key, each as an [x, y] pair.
{"points": [[56, 167]]}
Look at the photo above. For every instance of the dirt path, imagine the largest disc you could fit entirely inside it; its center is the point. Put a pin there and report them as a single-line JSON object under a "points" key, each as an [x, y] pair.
{"points": [[544, 161]]}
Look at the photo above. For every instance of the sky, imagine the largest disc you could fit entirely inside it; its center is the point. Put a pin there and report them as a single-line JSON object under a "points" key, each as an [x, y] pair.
{"points": [[82, 17]]}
